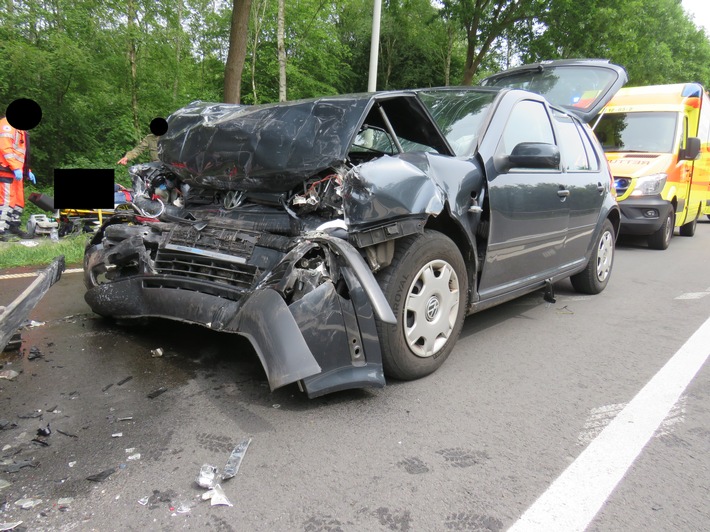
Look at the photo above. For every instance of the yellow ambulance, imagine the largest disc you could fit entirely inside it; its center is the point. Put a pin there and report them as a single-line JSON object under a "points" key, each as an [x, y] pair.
{"points": [[656, 141]]}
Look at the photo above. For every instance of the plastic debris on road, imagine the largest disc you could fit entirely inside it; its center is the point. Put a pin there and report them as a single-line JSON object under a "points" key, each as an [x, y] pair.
{"points": [[100, 477], [4, 484], [156, 393], [207, 477], [235, 459], [10, 526], [28, 503], [216, 496], [46, 431], [8, 374], [156, 353]]}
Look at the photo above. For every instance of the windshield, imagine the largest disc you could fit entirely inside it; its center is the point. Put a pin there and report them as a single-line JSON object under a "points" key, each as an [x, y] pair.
{"points": [[459, 115], [637, 132]]}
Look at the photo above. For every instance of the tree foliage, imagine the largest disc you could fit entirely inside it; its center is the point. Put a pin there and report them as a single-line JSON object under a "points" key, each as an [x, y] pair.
{"points": [[102, 70]]}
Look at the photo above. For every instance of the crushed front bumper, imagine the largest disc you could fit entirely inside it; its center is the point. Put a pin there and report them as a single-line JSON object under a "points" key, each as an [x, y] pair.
{"points": [[326, 339]]}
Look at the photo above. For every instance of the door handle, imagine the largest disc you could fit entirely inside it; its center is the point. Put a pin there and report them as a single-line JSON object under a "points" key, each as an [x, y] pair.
{"points": [[600, 188]]}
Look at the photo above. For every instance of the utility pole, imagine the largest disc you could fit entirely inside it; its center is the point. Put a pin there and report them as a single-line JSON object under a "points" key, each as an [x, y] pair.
{"points": [[374, 47]]}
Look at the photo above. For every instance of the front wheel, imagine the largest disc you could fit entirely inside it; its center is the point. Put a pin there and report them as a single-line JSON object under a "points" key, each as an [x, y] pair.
{"points": [[426, 285], [595, 276], [661, 239]]}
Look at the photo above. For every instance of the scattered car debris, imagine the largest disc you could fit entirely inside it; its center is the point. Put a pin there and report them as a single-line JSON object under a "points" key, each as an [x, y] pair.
{"points": [[65, 502], [158, 497], [126, 418], [8, 374], [40, 442], [53, 410], [31, 324], [235, 459], [105, 388], [216, 496], [34, 353], [6, 424], [207, 477], [67, 434], [156, 393], [10, 526], [15, 466], [72, 464], [46, 431], [100, 477], [157, 352], [136, 456], [28, 503], [4, 483], [117, 435], [13, 315], [14, 343], [31, 415], [124, 381]]}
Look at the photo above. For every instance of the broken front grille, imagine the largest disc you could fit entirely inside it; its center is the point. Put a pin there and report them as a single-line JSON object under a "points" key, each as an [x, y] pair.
{"points": [[236, 277], [216, 254]]}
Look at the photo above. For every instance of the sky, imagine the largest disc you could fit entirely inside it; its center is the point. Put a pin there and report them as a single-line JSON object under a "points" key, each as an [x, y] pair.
{"points": [[700, 9]]}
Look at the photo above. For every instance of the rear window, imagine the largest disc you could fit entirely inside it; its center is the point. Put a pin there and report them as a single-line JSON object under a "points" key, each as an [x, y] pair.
{"points": [[569, 86]]}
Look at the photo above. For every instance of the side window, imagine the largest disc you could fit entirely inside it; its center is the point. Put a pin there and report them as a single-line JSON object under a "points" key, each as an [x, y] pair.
{"points": [[528, 122], [575, 147], [704, 125]]}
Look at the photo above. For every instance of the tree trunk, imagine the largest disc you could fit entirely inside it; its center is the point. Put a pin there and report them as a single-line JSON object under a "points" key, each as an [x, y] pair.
{"points": [[237, 51], [282, 53], [134, 65]]}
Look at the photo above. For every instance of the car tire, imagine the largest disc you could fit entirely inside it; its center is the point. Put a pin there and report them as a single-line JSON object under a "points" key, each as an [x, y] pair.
{"points": [[689, 228], [427, 287], [595, 276], [661, 239]]}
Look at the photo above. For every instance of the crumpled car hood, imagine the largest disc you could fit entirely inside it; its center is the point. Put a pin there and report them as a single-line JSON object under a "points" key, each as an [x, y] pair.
{"points": [[267, 148]]}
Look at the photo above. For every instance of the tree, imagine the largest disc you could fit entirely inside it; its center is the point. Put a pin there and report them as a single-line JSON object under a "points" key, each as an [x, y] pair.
{"points": [[237, 51], [484, 21]]}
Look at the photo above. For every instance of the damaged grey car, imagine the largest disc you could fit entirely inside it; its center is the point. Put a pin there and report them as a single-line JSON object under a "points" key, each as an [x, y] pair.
{"points": [[348, 237]]}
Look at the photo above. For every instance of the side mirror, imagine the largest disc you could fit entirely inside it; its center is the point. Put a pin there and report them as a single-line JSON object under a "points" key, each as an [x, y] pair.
{"points": [[691, 151], [535, 155]]}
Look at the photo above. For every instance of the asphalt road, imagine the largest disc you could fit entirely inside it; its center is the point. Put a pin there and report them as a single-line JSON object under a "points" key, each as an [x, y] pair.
{"points": [[521, 402]]}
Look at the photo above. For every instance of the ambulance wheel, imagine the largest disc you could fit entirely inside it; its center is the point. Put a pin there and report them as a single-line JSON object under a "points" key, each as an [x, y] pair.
{"points": [[689, 228], [661, 239]]}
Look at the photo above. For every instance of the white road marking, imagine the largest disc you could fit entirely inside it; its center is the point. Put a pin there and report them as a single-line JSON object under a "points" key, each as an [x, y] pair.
{"points": [[572, 501], [693, 295], [34, 274]]}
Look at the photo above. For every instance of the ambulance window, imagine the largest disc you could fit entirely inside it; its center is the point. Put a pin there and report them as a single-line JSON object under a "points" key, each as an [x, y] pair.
{"points": [[576, 150]]}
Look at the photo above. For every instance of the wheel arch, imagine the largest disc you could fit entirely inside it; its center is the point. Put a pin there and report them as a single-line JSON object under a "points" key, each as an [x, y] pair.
{"points": [[449, 226]]}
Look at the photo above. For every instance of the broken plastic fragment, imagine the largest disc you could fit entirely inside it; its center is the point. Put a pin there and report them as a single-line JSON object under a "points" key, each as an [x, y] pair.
{"points": [[65, 501], [136, 456], [124, 381], [207, 476], [72, 464], [157, 352], [34, 353], [143, 501], [44, 431], [156, 393], [117, 434], [28, 503], [100, 477], [217, 496], [10, 526], [235, 459], [8, 374], [4, 484]]}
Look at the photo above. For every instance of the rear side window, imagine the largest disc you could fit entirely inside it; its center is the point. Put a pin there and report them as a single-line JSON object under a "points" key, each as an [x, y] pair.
{"points": [[575, 147]]}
